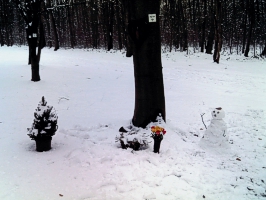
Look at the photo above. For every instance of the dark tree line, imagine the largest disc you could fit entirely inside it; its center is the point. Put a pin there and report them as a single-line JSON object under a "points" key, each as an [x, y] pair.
{"points": [[206, 25]]}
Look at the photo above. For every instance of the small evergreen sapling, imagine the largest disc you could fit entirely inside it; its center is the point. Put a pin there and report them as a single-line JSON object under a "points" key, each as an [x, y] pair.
{"points": [[44, 123]]}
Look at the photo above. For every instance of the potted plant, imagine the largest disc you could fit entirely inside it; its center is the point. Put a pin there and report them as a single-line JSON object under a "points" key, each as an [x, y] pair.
{"points": [[132, 137], [157, 135], [44, 126]]}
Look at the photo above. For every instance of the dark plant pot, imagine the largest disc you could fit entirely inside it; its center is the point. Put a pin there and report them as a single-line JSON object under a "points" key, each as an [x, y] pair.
{"points": [[134, 145], [43, 144], [157, 144], [123, 144]]}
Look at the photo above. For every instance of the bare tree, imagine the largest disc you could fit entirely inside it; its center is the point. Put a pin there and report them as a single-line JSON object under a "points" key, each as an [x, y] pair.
{"points": [[251, 17], [53, 26], [218, 30]]}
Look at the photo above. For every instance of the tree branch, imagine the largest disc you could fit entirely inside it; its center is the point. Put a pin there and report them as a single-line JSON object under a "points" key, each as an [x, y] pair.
{"points": [[203, 120]]}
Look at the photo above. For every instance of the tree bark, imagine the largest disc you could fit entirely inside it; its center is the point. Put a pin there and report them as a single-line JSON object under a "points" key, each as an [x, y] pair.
{"points": [[94, 23], [35, 34], [70, 25], [35, 75], [202, 45], [53, 26], [128, 43], [251, 14], [184, 28], [33, 42], [263, 53], [245, 16], [110, 21], [209, 46], [218, 32], [118, 25], [2, 12], [149, 88]]}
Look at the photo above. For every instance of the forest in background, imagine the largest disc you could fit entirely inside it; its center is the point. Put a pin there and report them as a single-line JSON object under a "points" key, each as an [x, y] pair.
{"points": [[239, 25]]}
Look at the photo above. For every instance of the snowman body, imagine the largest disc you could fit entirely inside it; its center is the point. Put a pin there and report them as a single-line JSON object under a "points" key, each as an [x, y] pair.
{"points": [[216, 133]]}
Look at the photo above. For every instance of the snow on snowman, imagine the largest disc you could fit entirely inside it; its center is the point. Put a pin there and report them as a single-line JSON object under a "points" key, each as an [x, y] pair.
{"points": [[216, 133]]}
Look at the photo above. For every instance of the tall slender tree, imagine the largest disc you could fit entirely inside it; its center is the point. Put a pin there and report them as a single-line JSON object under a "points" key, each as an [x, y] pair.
{"points": [[53, 26], [218, 30], [251, 17]]}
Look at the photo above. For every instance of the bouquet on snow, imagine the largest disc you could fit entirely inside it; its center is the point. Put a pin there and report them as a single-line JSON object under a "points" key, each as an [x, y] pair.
{"points": [[157, 135], [157, 132], [45, 121]]}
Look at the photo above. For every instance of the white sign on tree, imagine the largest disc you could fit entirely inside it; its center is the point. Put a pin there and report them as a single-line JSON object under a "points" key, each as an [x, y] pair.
{"points": [[152, 18]]}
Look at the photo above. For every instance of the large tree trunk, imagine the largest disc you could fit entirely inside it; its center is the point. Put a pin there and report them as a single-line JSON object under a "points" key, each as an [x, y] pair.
{"points": [[41, 42], [35, 34], [149, 88], [35, 75], [33, 42]]}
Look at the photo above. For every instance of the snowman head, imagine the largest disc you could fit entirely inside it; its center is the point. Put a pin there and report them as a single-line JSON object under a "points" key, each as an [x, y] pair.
{"points": [[218, 113]]}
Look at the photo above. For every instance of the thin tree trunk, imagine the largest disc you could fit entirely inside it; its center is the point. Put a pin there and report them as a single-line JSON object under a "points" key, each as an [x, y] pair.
{"points": [[129, 42], [198, 21], [2, 12], [263, 53], [211, 34], [110, 25], [118, 24], [202, 45], [218, 32], [6, 24], [184, 28], [71, 31], [53, 26], [245, 26], [251, 25]]}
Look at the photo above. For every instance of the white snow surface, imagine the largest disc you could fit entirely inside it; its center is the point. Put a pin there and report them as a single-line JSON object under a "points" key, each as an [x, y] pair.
{"points": [[93, 94]]}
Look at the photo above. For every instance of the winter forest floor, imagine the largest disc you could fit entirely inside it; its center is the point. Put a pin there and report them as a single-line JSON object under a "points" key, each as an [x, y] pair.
{"points": [[93, 94]]}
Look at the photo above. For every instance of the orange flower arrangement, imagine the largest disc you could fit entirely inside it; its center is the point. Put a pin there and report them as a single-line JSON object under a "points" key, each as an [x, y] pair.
{"points": [[157, 131], [157, 135]]}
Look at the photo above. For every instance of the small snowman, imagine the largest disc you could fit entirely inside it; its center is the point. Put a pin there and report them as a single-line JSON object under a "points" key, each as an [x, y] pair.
{"points": [[216, 133]]}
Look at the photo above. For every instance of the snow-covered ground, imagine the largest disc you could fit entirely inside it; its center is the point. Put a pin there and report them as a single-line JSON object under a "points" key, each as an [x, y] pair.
{"points": [[93, 94]]}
